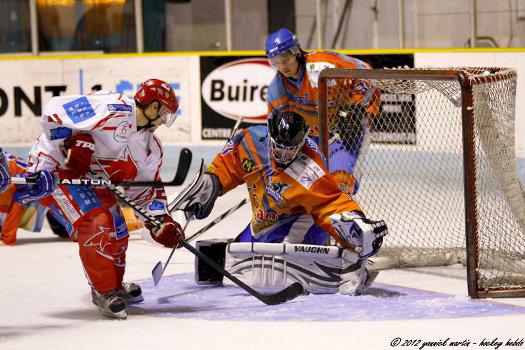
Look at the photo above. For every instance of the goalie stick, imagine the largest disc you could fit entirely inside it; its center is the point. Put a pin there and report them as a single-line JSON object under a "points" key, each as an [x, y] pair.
{"points": [[289, 293], [217, 220], [180, 176]]}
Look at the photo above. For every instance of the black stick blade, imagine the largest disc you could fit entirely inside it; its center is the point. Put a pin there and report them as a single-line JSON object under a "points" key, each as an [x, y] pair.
{"points": [[183, 167], [289, 293]]}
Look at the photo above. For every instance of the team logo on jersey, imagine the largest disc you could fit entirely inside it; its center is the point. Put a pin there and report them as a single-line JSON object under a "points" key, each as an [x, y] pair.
{"points": [[121, 132], [119, 108], [156, 205], [275, 190], [247, 165]]}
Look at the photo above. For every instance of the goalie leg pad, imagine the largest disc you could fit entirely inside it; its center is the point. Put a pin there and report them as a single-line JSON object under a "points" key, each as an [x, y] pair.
{"points": [[271, 267], [353, 274]]}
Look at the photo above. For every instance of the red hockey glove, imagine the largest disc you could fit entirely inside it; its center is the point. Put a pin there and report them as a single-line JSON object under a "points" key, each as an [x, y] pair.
{"points": [[169, 234], [80, 148]]}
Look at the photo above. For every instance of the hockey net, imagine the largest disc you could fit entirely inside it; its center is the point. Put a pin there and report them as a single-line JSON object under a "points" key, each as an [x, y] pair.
{"points": [[440, 168]]}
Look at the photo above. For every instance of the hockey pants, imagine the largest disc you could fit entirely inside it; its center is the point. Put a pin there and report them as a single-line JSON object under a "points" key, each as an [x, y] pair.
{"points": [[94, 219]]}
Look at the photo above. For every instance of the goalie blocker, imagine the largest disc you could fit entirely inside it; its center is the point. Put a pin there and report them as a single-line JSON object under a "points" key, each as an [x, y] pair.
{"points": [[271, 267]]}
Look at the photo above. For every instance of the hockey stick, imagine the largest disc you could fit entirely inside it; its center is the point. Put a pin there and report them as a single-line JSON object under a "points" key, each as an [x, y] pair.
{"points": [[159, 270], [217, 220], [234, 130], [289, 293], [180, 176]]}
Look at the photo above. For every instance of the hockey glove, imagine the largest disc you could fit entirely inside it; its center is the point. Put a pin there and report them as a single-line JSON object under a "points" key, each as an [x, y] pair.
{"points": [[169, 234], [80, 148], [5, 177], [39, 184], [201, 197], [357, 230]]}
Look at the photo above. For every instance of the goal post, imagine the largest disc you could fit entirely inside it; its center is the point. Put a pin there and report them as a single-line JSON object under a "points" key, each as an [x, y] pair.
{"points": [[439, 167]]}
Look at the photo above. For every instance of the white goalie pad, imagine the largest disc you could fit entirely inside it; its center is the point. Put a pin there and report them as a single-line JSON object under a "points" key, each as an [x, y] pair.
{"points": [[271, 267]]}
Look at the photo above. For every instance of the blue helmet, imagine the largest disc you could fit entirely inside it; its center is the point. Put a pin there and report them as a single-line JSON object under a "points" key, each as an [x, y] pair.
{"points": [[280, 41]]}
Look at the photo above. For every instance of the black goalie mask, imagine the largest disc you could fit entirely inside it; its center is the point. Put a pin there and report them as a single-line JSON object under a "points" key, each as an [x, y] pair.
{"points": [[288, 133]]}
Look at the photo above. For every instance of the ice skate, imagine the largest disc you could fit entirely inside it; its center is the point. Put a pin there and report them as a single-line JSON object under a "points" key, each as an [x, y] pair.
{"points": [[109, 304], [130, 293], [370, 277]]}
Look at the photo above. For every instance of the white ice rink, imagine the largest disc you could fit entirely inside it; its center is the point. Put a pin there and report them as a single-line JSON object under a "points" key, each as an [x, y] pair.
{"points": [[46, 304]]}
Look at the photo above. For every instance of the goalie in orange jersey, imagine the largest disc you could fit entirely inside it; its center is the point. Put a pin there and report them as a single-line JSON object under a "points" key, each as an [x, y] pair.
{"points": [[353, 102], [294, 198], [14, 199]]}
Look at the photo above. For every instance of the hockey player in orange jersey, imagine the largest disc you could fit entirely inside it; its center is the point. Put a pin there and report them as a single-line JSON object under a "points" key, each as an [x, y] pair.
{"points": [[295, 88], [14, 198], [294, 198]]}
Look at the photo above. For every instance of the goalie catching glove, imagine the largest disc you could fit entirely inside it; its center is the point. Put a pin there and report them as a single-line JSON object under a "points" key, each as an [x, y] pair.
{"points": [[169, 234], [355, 229]]}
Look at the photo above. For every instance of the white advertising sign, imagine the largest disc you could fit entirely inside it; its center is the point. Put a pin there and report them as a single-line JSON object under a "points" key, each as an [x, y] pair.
{"points": [[238, 89], [28, 84]]}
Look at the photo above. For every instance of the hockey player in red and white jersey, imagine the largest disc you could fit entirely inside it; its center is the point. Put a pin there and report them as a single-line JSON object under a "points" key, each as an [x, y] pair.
{"points": [[294, 198], [107, 135]]}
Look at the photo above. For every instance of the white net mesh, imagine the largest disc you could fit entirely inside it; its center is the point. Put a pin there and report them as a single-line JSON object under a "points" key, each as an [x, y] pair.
{"points": [[412, 176]]}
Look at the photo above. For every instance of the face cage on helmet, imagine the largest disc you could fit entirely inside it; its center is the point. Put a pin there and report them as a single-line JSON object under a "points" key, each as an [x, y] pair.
{"points": [[284, 155], [164, 113], [168, 114], [284, 58]]}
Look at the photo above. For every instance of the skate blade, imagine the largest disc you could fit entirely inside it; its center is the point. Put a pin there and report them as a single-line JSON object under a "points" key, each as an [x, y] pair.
{"points": [[134, 300], [121, 315]]}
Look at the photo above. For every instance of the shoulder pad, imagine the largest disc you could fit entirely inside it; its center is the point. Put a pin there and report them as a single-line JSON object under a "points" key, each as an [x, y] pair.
{"points": [[258, 131]]}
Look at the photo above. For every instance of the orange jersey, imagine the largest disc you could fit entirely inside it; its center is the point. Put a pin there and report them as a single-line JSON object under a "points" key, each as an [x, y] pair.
{"points": [[301, 95], [280, 195], [13, 211], [16, 166]]}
